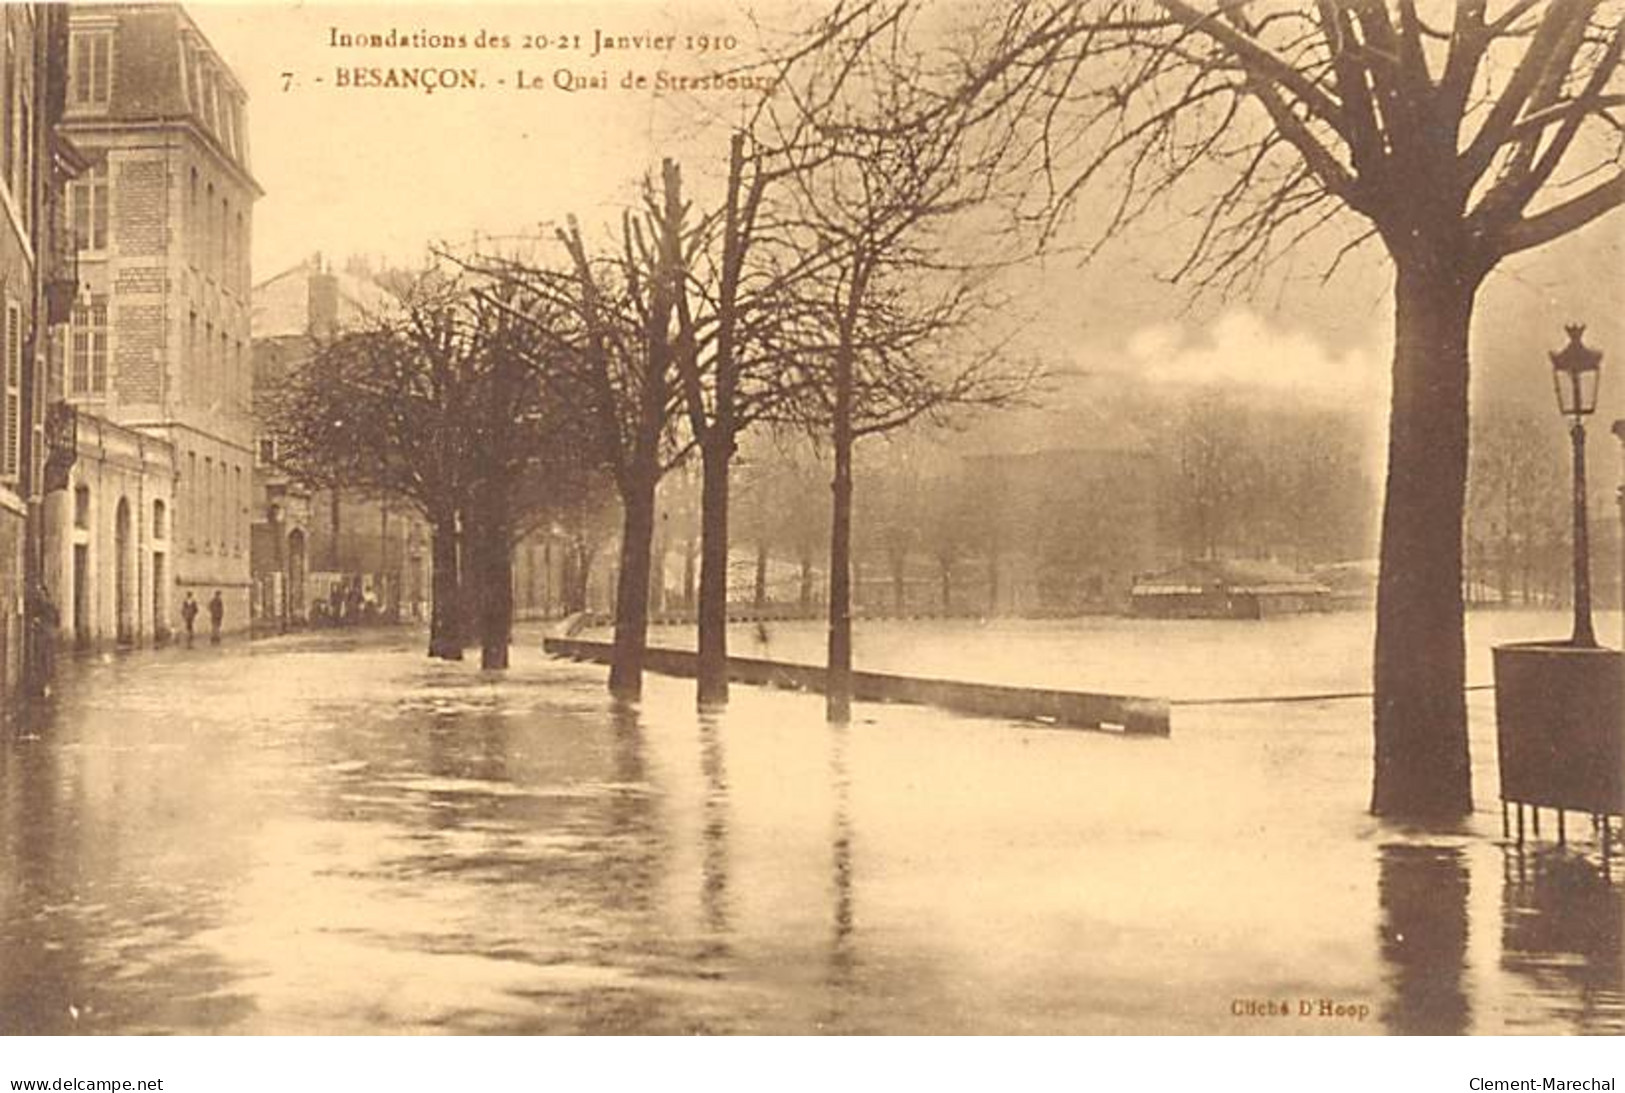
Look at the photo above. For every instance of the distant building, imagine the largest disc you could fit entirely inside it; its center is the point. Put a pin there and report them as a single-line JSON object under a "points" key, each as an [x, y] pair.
{"points": [[156, 364], [1071, 498], [310, 546], [37, 281], [1228, 590]]}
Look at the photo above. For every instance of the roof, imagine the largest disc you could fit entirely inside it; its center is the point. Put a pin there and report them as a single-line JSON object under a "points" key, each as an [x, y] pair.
{"points": [[1194, 578], [281, 305]]}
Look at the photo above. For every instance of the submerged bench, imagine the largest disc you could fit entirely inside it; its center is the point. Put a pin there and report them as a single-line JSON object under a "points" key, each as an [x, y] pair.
{"points": [[1135, 715]]}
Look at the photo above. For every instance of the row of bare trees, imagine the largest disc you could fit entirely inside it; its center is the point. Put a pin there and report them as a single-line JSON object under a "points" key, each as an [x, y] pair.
{"points": [[828, 289]]}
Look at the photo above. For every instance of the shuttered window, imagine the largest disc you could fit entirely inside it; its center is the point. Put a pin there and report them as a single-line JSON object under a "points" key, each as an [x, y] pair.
{"points": [[11, 437]]}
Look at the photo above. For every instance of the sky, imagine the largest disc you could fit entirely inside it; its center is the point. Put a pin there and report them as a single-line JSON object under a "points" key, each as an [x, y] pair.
{"points": [[386, 172]]}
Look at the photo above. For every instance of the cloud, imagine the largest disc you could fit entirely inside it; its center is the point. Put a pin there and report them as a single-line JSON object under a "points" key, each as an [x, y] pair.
{"points": [[1241, 349]]}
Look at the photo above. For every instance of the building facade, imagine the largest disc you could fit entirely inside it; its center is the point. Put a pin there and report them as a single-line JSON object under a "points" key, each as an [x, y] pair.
{"points": [[36, 285], [157, 360], [330, 553]]}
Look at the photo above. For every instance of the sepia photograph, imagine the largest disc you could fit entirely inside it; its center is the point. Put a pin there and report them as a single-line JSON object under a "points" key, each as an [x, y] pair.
{"points": [[1076, 518]]}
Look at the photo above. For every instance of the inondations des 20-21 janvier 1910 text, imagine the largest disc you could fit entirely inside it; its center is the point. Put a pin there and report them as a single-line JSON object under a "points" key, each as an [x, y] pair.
{"points": [[562, 60]]}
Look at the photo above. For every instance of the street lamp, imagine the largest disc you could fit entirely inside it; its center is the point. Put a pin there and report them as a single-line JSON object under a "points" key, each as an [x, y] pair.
{"points": [[1576, 370]]}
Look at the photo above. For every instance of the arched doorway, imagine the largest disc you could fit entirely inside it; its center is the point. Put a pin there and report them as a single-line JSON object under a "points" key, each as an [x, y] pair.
{"points": [[81, 567], [294, 609], [160, 572], [123, 574]]}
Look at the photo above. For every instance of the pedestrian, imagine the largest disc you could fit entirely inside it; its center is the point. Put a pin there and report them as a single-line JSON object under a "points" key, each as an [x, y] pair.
{"points": [[217, 614], [44, 618], [189, 615]]}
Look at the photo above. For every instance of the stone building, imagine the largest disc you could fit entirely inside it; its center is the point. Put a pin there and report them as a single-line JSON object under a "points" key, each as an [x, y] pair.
{"points": [[310, 545], [157, 362], [36, 286]]}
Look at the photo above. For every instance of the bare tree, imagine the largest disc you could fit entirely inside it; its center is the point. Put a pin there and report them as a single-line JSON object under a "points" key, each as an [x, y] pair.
{"points": [[733, 303], [886, 328], [626, 308], [610, 319], [1456, 136], [1518, 501], [377, 409], [439, 402]]}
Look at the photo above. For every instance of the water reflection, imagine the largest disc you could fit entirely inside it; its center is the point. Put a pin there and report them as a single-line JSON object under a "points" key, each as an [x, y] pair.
{"points": [[351, 840], [1423, 894], [713, 842], [1562, 937], [97, 923], [842, 949]]}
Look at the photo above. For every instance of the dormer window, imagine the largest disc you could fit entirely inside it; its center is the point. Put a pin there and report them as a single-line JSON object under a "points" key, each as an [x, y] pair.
{"points": [[91, 66]]}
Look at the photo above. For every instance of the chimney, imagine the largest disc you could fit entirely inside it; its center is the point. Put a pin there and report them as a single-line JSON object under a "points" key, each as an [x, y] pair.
{"points": [[322, 305]]}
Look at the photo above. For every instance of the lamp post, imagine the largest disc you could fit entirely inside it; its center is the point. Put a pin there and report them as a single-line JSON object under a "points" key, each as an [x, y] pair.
{"points": [[1576, 370]]}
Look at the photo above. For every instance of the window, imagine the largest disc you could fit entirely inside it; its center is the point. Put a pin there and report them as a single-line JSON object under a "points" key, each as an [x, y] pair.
{"points": [[225, 121], [91, 65], [228, 391], [158, 519], [81, 507], [209, 101], [88, 199], [204, 228], [267, 451], [237, 516], [194, 226], [89, 373], [16, 80], [196, 82], [207, 511], [193, 497], [9, 79], [24, 188], [11, 406], [191, 356]]}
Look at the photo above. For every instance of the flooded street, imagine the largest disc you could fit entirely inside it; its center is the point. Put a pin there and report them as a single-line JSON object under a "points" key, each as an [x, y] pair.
{"points": [[332, 834]]}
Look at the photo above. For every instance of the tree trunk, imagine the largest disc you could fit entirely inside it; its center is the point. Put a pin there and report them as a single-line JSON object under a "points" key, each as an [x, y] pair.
{"points": [[759, 599], [947, 573], [333, 544], [713, 609], [632, 588], [1420, 713], [445, 617], [805, 597], [690, 556], [993, 583], [577, 573], [657, 570], [899, 583], [490, 548], [838, 682]]}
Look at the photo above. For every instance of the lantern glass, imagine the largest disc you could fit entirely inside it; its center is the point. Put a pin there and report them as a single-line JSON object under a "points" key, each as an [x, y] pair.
{"points": [[1588, 382], [1576, 391], [1576, 372]]}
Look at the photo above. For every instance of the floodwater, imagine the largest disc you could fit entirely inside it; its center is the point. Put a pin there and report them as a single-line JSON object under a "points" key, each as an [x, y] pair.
{"points": [[325, 834]]}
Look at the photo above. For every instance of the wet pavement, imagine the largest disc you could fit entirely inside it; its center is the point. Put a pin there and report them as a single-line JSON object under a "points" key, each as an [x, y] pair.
{"points": [[332, 834]]}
